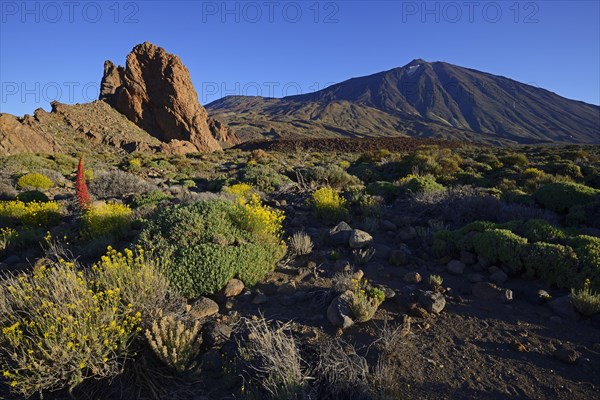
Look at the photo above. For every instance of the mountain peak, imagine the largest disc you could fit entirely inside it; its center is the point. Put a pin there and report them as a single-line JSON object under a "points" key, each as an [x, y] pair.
{"points": [[416, 61]]}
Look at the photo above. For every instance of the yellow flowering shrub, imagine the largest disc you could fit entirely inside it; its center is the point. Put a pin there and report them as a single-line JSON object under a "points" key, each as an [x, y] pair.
{"points": [[57, 328], [35, 180], [106, 220], [262, 219], [329, 204], [138, 278], [240, 191], [32, 214]]}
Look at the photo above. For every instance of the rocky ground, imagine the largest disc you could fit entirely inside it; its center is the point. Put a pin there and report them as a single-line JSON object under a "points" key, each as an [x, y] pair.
{"points": [[484, 334]]}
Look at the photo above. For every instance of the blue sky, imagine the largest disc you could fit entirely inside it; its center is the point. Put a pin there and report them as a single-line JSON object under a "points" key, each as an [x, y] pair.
{"points": [[55, 50]]}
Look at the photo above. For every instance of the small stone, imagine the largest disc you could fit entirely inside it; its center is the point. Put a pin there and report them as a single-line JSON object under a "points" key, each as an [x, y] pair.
{"points": [[412, 277], [340, 234], [359, 239], [433, 301], [467, 257], [234, 287], [229, 304], [204, 307], [566, 355], [499, 277], [456, 267]]}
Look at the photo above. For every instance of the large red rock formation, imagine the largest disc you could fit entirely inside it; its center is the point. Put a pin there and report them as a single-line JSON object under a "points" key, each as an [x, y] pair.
{"points": [[154, 90]]}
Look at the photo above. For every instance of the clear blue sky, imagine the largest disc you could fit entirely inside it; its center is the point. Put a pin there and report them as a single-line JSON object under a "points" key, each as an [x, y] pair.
{"points": [[53, 50]]}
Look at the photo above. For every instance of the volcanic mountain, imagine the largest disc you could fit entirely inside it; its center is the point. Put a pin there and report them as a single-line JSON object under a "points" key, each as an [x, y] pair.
{"points": [[421, 99]]}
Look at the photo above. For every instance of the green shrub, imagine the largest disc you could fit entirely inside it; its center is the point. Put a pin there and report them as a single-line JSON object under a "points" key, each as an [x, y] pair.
{"points": [[386, 190], [554, 263], [32, 195], [151, 197], [434, 161], [588, 252], [35, 180], [585, 300], [106, 220], [264, 177], [365, 172], [585, 214], [445, 243], [560, 197], [331, 175], [539, 230], [501, 245], [420, 184], [514, 159], [328, 204], [205, 244], [71, 330]]}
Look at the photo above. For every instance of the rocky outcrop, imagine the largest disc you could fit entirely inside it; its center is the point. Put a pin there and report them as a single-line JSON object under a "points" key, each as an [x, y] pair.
{"points": [[17, 137], [155, 91]]}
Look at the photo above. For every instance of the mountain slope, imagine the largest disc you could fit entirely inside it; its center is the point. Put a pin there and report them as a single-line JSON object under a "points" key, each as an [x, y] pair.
{"points": [[420, 99]]}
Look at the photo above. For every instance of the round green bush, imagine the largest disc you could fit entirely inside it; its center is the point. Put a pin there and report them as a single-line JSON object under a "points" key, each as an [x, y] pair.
{"points": [[365, 172], [501, 245], [560, 197], [32, 195], [539, 230], [264, 177], [35, 180], [207, 243], [386, 190], [422, 184], [554, 263]]}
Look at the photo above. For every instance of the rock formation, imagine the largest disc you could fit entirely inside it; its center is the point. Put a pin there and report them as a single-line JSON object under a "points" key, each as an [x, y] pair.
{"points": [[17, 137], [154, 90]]}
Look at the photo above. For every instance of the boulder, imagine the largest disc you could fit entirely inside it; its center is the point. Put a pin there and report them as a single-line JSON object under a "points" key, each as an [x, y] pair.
{"points": [[412, 277], [433, 302], [234, 288], [204, 307], [339, 312], [359, 239], [340, 234]]}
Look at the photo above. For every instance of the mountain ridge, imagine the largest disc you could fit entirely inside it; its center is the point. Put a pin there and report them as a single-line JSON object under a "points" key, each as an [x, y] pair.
{"points": [[431, 99]]}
